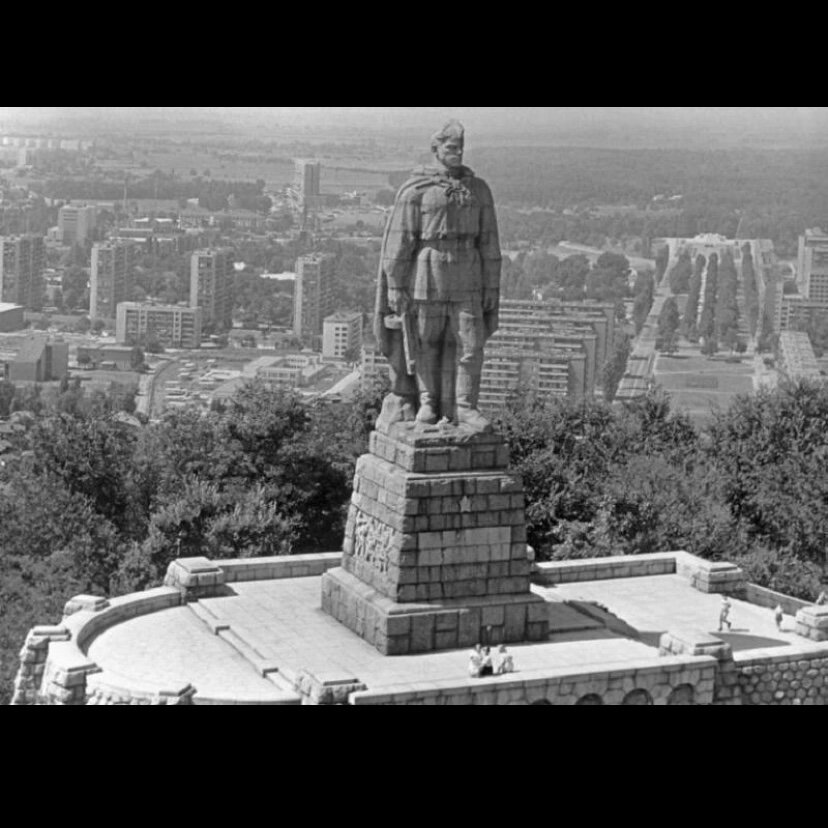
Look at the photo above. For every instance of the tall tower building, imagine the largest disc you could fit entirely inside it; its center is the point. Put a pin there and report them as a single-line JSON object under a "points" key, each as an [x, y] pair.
{"points": [[308, 182], [76, 224], [211, 282], [22, 260], [812, 266], [313, 294], [112, 264]]}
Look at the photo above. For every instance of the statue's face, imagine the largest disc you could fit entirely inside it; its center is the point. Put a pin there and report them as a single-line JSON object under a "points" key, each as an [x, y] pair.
{"points": [[450, 153]]}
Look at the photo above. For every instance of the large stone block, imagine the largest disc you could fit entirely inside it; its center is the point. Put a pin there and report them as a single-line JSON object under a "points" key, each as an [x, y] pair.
{"points": [[435, 521], [432, 625]]}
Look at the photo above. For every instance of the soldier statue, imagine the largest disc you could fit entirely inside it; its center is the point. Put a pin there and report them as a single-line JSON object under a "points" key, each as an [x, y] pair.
{"points": [[438, 292]]}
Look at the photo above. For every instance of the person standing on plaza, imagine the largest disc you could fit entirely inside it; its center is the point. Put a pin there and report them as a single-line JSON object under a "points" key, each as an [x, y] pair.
{"points": [[724, 614], [778, 615]]}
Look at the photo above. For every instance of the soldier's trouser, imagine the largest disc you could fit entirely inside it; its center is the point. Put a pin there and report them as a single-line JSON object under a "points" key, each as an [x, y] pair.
{"points": [[450, 354]]}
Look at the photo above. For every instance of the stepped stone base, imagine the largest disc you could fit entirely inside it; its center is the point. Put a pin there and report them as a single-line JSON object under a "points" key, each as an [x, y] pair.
{"points": [[435, 545], [397, 629]]}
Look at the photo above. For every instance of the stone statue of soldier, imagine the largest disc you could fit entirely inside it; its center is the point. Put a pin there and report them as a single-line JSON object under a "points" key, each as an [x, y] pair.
{"points": [[438, 292]]}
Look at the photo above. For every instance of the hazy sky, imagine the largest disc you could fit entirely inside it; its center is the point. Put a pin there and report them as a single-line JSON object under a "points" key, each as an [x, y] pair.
{"points": [[805, 122]]}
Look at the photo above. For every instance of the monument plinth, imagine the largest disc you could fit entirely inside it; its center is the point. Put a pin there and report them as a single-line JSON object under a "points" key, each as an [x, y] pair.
{"points": [[435, 553]]}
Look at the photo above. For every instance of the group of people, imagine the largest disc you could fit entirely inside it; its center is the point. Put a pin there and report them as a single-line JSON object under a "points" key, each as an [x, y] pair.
{"points": [[482, 663], [778, 612]]}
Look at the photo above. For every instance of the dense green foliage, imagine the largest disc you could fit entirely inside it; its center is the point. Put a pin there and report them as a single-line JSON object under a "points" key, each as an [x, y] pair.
{"points": [[751, 289], [689, 325], [668, 325], [726, 315], [92, 502], [613, 371], [641, 478], [773, 194], [681, 273], [644, 290], [707, 318]]}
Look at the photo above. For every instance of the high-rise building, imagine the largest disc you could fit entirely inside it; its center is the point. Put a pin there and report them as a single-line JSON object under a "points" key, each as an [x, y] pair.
{"points": [[313, 294], [342, 334], [211, 282], [308, 182], [172, 325], [547, 349], [812, 266], [22, 260], [112, 265], [76, 224]]}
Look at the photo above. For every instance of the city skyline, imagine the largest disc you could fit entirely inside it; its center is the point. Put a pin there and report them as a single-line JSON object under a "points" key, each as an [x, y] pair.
{"points": [[618, 125]]}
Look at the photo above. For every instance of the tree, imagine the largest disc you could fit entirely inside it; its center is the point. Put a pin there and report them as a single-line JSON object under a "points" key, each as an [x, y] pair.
{"points": [[137, 358], [644, 290], [7, 392], [615, 367], [681, 274]]}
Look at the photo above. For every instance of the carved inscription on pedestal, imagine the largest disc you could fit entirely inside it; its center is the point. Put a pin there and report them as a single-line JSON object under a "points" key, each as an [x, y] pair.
{"points": [[372, 541]]}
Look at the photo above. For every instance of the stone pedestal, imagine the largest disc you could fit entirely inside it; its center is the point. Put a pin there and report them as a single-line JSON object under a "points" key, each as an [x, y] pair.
{"points": [[435, 552], [812, 622]]}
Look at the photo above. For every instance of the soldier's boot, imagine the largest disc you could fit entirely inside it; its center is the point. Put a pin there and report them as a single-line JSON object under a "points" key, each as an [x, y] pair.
{"points": [[468, 390], [428, 377], [428, 411]]}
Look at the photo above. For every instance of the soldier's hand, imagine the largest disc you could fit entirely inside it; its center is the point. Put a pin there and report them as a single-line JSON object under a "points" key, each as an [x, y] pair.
{"points": [[490, 300], [398, 300]]}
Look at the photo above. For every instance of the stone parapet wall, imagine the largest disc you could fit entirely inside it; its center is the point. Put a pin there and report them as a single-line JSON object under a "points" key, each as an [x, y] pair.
{"points": [[764, 597], [652, 681], [787, 675], [812, 622], [54, 668], [706, 576], [277, 568], [33, 659], [600, 569]]}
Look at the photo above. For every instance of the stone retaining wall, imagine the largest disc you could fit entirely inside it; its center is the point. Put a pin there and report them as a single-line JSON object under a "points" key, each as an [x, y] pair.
{"points": [[659, 681], [787, 675]]}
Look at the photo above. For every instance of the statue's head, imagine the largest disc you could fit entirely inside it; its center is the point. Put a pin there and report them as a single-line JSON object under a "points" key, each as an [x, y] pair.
{"points": [[447, 145]]}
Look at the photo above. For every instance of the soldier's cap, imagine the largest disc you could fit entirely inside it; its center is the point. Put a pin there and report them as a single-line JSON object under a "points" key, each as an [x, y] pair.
{"points": [[453, 129]]}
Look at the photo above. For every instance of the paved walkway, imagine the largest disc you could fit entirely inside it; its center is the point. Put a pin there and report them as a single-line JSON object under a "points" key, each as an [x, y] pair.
{"points": [[173, 648], [656, 604], [283, 621]]}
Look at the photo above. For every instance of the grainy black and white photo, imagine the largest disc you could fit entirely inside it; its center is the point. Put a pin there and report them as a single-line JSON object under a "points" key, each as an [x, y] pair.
{"points": [[413, 405]]}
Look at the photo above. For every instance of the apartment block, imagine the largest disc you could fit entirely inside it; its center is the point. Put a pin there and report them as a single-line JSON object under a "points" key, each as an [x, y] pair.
{"points": [[211, 285], [112, 271], [812, 266], [313, 294], [22, 261], [172, 325]]}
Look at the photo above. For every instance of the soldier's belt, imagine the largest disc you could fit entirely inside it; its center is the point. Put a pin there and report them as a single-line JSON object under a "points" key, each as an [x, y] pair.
{"points": [[450, 244]]}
